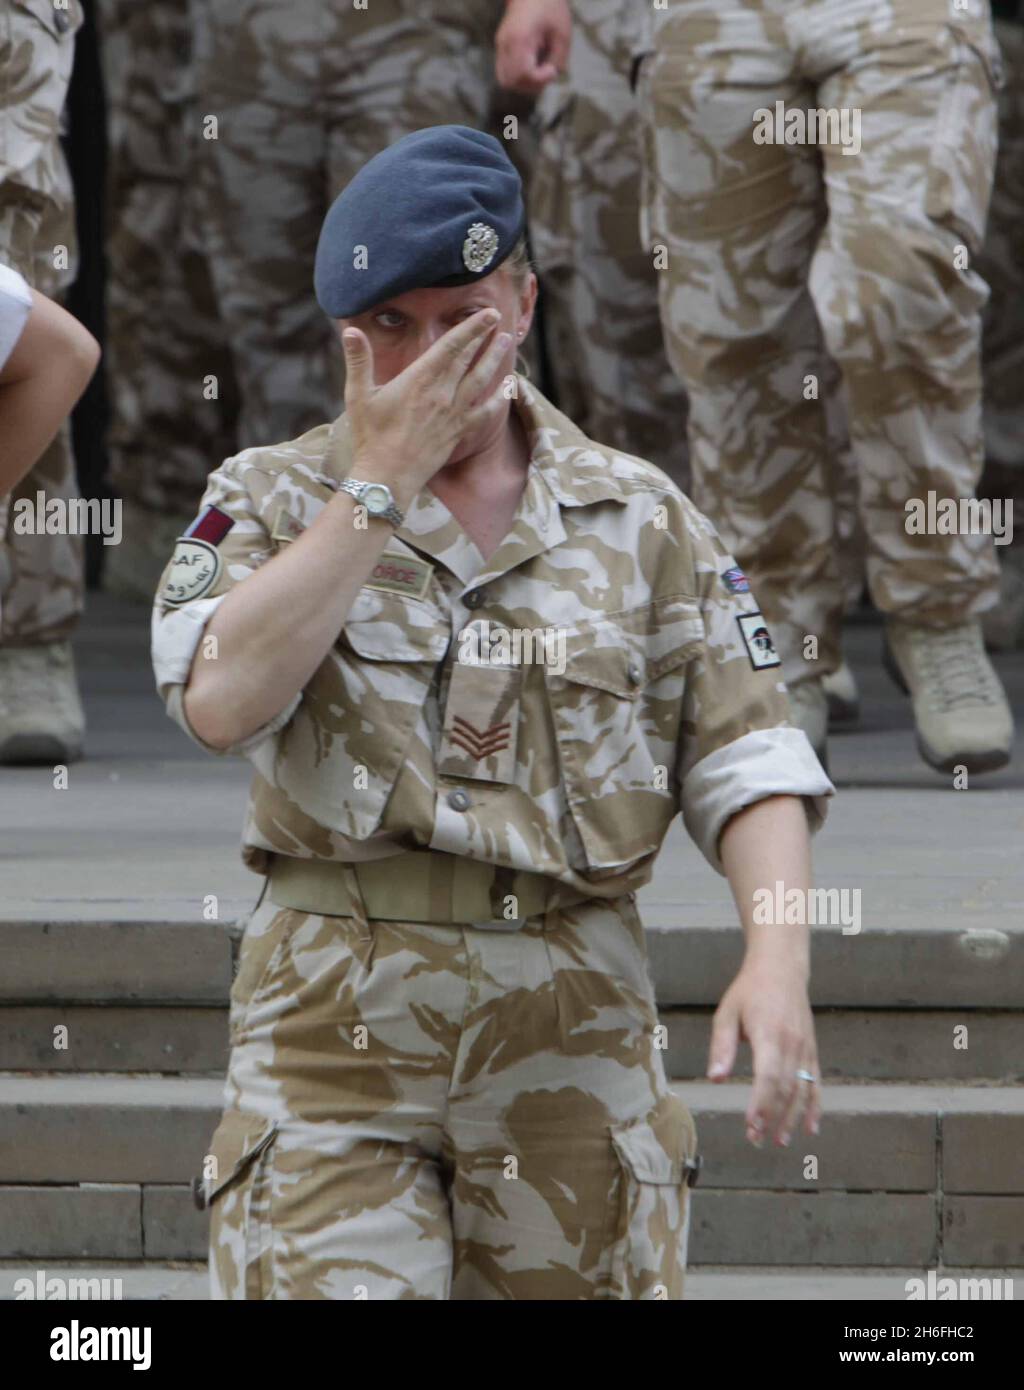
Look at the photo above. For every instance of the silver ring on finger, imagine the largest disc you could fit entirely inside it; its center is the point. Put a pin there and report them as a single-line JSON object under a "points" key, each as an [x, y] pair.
{"points": [[805, 1075]]}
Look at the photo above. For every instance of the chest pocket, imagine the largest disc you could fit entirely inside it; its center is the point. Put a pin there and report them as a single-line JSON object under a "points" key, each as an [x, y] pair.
{"points": [[360, 710], [616, 710]]}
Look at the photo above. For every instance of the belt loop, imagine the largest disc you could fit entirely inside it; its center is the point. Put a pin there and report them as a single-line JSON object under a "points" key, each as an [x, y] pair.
{"points": [[350, 873]]}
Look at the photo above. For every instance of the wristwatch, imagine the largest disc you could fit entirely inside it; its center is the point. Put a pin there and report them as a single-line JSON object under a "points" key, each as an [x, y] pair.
{"points": [[377, 498]]}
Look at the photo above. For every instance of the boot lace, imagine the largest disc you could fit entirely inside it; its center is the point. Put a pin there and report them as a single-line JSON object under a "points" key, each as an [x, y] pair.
{"points": [[34, 670], [955, 669]]}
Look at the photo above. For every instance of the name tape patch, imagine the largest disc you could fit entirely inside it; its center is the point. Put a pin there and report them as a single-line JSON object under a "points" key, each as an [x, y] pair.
{"points": [[400, 574], [758, 641]]}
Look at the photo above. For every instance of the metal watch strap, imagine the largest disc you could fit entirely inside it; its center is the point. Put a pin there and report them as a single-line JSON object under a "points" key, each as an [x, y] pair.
{"points": [[355, 488]]}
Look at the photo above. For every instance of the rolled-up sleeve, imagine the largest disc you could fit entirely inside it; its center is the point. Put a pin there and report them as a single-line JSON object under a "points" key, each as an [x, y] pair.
{"points": [[195, 581], [737, 743]]}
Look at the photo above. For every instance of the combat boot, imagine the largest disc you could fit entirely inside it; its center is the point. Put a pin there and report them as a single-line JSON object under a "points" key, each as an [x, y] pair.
{"points": [[809, 711], [843, 697], [41, 715], [960, 708]]}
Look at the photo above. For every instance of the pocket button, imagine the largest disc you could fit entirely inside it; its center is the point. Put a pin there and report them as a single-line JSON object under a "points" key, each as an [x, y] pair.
{"points": [[634, 673]]}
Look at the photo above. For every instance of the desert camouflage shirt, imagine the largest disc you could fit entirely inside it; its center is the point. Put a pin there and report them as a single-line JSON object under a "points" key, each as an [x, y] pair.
{"points": [[549, 710], [37, 49]]}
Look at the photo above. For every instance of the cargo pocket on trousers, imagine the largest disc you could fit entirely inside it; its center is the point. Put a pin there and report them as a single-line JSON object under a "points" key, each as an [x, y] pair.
{"points": [[235, 1187], [961, 165], [658, 1163]]}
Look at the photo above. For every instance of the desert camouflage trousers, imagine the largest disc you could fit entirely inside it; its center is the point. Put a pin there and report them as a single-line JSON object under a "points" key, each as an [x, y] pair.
{"points": [[42, 580], [610, 372], [1002, 346], [426, 1111], [169, 371], [778, 253]]}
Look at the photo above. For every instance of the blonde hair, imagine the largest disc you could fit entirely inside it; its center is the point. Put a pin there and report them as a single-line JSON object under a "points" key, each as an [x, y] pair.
{"points": [[517, 262]]}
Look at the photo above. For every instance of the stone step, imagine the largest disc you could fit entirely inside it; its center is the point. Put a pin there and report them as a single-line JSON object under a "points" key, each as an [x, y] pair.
{"points": [[963, 1045], [874, 1137], [153, 1280], [114, 1038], [111, 962], [966, 965], [97, 1167], [154, 1221], [963, 963]]}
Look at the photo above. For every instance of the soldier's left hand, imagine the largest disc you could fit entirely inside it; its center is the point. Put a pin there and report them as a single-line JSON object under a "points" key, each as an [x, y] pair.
{"points": [[767, 1005]]}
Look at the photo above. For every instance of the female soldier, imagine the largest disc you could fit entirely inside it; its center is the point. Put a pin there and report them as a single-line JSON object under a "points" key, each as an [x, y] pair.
{"points": [[445, 1077]]}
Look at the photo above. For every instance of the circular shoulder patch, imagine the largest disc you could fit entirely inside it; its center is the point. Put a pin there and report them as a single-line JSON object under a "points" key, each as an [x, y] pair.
{"points": [[195, 568]]}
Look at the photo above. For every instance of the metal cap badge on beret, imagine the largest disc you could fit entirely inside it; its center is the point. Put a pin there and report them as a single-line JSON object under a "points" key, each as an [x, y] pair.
{"points": [[440, 207]]}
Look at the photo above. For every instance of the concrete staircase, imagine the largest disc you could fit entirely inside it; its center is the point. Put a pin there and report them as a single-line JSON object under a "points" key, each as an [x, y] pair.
{"points": [[113, 1040]]}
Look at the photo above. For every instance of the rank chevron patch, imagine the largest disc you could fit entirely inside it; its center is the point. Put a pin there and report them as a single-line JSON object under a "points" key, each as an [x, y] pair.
{"points": [[479, 743]]}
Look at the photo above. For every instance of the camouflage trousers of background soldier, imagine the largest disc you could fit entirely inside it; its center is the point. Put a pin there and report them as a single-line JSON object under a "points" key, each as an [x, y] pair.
{"points": [[1001, 266], [782, 251], [610, 371]]}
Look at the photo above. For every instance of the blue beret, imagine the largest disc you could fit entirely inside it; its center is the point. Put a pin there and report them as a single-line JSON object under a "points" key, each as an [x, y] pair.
{"points": [[443, 206]]}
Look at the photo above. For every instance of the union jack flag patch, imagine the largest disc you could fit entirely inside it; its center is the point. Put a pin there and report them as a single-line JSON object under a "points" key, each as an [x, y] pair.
{"points": [[736, 581]]}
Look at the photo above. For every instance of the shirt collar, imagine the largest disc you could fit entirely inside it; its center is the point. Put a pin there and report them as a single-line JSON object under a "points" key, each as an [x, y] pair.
{"points": [[576, 471], [429, 526], [566, 470]]}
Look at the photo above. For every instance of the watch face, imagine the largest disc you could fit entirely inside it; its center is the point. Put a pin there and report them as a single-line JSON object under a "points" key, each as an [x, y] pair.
{"points": [[376, 499]]}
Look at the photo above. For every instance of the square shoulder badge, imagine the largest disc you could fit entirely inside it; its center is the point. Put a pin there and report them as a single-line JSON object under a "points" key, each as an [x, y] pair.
{"points": [[758, 641], [196, 564]]}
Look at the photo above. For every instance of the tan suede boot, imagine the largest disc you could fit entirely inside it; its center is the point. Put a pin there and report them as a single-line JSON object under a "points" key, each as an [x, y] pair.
{"points": [[41, 715], [962, 717]]}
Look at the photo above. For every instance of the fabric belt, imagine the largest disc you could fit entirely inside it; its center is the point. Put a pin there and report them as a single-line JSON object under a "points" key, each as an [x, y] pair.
{"points": [[418, 886]]}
